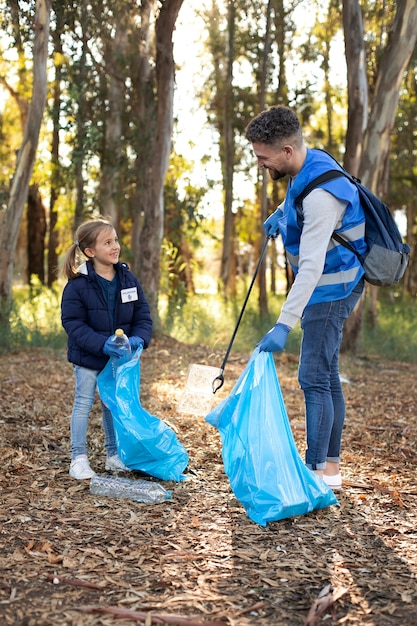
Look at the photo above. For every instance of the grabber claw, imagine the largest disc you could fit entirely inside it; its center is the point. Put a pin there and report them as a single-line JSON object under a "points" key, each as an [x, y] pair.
{"points": [[218, 382]]}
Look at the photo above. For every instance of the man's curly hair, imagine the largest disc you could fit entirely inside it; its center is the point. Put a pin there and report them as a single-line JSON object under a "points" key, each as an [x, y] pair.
{"points": [[278, 123]]}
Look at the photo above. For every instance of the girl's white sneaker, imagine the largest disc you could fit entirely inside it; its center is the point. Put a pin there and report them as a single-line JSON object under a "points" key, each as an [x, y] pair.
{"points": [[334, 482], [80, 468], [115, 464]]}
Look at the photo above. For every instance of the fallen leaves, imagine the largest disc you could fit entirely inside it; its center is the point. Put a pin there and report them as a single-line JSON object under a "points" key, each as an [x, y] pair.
{"points": [[69, 558]]}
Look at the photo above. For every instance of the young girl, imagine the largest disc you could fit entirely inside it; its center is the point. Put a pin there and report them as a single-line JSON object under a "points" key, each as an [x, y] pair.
{"points": [[100, 296]]}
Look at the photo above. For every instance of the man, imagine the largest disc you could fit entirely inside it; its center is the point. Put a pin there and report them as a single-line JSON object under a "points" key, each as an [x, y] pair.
{"points": [[328, 277]]}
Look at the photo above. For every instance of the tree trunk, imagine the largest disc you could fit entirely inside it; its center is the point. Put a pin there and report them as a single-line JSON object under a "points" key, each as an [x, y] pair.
{"points": [[357, 85], [376, 144], [56, 170], [36, 233], [112, 157], [25, 161], [79, 152], [227, 154], [263, 209], [393, 63], [148, 226], [357, 123], [282, 29]]}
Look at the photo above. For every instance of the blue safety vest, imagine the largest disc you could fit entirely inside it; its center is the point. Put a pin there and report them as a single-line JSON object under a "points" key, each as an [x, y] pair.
{"points": [[342, 270]]}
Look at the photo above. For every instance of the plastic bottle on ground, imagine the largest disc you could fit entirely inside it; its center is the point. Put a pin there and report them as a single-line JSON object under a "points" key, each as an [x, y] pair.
{"points": [[129, 489], [121, 340]]}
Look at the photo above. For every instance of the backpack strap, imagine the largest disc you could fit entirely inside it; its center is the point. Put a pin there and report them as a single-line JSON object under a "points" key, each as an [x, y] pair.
{"points": [[316, 182]]}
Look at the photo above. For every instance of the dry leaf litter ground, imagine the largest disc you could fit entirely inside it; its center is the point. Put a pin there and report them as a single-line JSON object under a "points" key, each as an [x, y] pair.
{"points": [[70, 558]]}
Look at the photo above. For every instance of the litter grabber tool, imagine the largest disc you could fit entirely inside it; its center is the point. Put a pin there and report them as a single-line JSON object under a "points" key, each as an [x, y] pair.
{"points": [[219, 380], [203, 381]]}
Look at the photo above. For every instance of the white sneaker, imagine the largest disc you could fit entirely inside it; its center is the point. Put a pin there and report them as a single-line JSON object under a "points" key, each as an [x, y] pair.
{"points": [[115, 464], [80, 468], [334, 482]]}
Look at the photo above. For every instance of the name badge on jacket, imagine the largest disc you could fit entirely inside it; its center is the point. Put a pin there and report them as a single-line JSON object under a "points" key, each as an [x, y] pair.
{"points": [[129, 295]]}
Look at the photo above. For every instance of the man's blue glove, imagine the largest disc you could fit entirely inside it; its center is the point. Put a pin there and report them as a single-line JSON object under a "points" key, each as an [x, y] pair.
{"points": [[271, 224], [113, 349], [274, 340], [136, 342]]}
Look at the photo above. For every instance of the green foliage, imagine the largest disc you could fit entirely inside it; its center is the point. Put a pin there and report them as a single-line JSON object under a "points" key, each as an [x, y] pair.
{"points": [[35, 318], [206, 319], [395, 335]]}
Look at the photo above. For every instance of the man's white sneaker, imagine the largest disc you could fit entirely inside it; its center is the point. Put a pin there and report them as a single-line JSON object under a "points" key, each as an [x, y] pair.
{"points": [[115, 464], [80, 468]]}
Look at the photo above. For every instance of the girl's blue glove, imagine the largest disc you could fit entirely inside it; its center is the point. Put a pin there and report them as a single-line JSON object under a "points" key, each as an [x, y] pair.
{"points": [[136, 342], [113, 350], [275, 339]]}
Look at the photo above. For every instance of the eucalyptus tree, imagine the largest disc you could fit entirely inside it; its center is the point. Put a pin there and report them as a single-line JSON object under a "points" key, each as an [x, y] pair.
{"points": [[119, 109], [403, 168], [219, 97], [56, 178], [248, 45], [153, 106], [319, 48], [397, 45], [25, 161], [390, 50], [17, 77], [137, 72]]}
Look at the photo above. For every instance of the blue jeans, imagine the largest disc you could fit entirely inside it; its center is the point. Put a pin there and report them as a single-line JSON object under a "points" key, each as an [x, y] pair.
{"points": [[318, 375], [85, 388]]}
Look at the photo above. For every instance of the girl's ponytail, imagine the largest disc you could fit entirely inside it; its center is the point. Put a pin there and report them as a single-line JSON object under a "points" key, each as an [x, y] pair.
{"points": [[70, 268]]}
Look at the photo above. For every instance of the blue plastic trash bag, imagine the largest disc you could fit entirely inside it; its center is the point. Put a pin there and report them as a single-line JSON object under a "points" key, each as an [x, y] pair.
{"points": [[144, 442], [260, 457]]}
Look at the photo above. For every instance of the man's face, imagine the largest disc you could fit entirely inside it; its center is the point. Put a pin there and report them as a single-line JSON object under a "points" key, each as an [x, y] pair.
{"points": [[274, 159]]}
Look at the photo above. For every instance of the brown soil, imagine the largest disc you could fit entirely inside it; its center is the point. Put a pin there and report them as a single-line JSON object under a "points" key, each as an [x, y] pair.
{"points": [[70, 558]]}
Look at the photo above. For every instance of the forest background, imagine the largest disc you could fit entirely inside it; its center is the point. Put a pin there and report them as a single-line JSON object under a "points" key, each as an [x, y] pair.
{"points": [[137, 110]]}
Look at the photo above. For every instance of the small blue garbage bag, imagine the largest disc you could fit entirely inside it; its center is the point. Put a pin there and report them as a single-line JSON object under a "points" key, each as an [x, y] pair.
{"points": [[144, 442], [261, 460]]}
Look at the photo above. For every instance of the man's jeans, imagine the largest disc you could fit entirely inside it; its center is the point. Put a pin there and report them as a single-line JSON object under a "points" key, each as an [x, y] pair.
{"points": [[318, 375], [85, 388]]}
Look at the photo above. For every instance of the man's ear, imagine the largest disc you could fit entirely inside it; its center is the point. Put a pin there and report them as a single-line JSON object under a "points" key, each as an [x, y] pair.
{"points": [[289, 151]]}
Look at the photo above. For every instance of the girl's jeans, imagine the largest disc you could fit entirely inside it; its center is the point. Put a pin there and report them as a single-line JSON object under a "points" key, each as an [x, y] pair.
{"points": [[318, 375], [85, 388]]}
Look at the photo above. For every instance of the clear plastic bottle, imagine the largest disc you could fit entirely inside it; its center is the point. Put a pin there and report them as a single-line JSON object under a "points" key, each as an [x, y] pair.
{"points": [[121, 340], [129, 489]]}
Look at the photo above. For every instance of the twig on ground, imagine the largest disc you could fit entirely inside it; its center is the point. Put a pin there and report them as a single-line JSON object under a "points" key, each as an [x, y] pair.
{"points": [[75, 582], [148, 617], [249, 609], [54, 445], [327, 596]]}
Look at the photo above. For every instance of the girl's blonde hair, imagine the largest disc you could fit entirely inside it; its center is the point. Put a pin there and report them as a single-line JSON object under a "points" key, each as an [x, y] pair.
{"points": [[85, 237]]}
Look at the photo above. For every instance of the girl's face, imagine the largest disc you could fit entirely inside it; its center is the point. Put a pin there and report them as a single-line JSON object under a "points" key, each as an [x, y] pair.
{"points": [[106, 249]]}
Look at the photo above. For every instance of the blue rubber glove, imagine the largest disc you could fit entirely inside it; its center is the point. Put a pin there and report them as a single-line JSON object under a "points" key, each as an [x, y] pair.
{"points": [[271, 224], [113, 350], [136, 342], [275, 339]]}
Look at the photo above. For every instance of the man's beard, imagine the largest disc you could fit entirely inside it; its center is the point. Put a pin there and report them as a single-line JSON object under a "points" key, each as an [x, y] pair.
{"points": [[276, 174]]}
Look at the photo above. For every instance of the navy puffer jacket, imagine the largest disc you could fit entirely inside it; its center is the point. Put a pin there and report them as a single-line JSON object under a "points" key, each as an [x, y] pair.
{"points": [[85, 315]]}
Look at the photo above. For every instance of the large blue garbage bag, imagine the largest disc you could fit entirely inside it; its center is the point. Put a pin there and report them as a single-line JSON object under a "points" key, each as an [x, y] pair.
{"points": [[261, 460], [144, 442]]}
